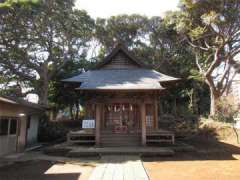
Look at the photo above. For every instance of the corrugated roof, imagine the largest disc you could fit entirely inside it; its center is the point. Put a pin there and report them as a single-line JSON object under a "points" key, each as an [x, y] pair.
{"points": [[121, 79]]}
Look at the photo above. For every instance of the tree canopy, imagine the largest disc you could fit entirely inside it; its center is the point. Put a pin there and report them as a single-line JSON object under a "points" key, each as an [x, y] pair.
{"points": [[37, 42], [42, 42], [212, 29]]}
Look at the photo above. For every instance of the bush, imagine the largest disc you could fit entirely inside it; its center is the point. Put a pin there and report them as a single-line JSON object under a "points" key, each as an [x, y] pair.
{"points": [[50, 131]]}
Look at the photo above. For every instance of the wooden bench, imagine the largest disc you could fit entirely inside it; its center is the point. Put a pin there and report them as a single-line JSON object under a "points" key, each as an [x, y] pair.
{"points": [[81, 137], [160, 136]]}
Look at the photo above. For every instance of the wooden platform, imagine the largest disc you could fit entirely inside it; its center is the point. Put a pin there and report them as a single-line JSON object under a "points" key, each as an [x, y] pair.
{"points": [[108, 139], [142, 151]]}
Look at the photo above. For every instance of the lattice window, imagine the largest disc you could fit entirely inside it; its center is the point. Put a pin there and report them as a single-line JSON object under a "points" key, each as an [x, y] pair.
{"points": [[149, 116]]}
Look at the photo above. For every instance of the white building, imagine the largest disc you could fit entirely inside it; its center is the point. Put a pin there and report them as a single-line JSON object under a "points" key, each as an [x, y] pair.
{"points": [[18, 124]]}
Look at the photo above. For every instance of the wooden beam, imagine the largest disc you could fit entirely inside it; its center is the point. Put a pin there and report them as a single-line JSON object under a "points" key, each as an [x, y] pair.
{"points": [[156, 111], [98, 124], [143, 122]]}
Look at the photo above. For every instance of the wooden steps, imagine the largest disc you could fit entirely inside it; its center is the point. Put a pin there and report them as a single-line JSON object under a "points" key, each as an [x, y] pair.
{"points": [[119, 140]]}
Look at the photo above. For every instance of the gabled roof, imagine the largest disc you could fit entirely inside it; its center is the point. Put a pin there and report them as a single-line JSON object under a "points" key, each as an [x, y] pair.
{"points": [[118, 48], [119, 78]]}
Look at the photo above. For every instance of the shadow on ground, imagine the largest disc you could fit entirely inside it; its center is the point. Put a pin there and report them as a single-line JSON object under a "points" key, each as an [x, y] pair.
{"points": [[204, 149], [34, 170]]}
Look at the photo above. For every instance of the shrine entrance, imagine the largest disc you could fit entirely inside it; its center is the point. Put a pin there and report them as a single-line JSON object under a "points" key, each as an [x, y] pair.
{"points": [[121, 118]]}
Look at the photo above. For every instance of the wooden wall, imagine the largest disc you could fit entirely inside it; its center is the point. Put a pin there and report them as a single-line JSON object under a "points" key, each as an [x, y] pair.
{"points": [[120, 61]]}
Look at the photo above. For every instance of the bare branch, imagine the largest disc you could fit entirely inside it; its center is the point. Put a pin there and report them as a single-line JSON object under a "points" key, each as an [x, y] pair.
{"points": [[215, 62], [196, 46], [198, 65]]}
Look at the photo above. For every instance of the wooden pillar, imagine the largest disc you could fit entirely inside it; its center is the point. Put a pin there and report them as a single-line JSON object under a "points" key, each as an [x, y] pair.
{"points": [[22, 134], [143, 122], [98, 124], [156, 111]]}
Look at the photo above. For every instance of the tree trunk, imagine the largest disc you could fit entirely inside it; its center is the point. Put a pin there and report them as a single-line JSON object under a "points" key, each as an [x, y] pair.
{"points": [[214, 102], [43, 95], [71, 111], [43, 88], [77, 111]]}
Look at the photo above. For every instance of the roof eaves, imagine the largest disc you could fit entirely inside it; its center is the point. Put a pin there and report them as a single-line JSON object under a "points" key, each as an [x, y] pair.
{"points": [[25, 103]]}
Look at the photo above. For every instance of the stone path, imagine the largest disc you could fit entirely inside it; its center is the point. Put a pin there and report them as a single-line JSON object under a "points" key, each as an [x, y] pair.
{"points": [[119, 167]]}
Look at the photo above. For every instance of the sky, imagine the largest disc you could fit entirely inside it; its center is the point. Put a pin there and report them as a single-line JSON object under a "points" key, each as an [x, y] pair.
{"points": [[107, 8]]}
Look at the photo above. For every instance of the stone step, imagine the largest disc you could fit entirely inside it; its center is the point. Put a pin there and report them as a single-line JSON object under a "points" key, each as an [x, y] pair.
{"points": [[137, 150]]}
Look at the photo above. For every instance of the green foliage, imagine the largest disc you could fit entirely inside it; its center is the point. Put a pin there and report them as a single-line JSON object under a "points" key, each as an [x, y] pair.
{"points": [[197, 32], [55, 131], [127, 29], [10, 3], [211, 28], [61, 96], [35, 48], [51, 131], [57, 47]]}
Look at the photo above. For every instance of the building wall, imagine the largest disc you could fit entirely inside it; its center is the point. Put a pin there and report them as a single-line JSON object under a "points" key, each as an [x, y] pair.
{"points": [[17, 142], [12, 110], [8, 144], [32, 131]]}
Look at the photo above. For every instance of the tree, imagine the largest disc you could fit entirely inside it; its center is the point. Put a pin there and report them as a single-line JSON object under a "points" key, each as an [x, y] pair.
{"points": [[212, 29], [38, 41], [151, 39], [127, 29], [62, 95], [10, 3]]}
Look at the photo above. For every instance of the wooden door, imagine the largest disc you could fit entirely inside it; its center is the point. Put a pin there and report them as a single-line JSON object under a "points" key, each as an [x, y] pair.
{"points": [[121, 117]]}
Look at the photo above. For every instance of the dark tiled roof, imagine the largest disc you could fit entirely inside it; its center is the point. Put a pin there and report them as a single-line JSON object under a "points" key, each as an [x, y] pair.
{"points": [[121, 79]]}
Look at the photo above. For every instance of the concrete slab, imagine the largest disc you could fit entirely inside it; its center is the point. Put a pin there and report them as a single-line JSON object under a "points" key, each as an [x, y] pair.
{"points": [[119, 167]]}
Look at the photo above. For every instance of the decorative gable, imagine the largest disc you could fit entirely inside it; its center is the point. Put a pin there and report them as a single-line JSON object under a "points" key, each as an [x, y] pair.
{"points": [[120, 58], [120, 61]]}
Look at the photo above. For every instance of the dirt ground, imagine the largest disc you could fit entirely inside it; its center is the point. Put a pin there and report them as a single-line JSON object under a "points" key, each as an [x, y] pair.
{"points": [[212, 160], [189, 168]]}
